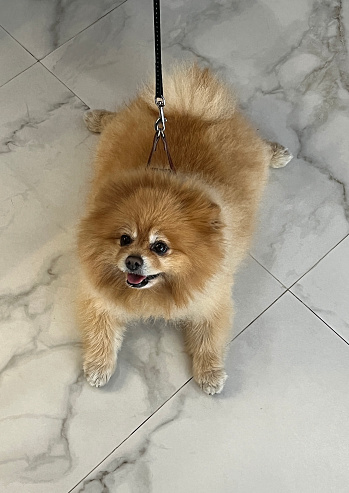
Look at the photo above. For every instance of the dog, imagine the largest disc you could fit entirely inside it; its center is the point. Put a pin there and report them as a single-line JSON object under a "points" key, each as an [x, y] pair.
{"points": [[160, 244]]}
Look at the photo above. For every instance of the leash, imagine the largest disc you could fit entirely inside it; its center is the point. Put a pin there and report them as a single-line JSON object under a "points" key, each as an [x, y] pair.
{"points": [[159, 98]]}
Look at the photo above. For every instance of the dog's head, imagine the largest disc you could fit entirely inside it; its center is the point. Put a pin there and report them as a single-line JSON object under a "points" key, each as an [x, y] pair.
{"points": [[151, 231]]}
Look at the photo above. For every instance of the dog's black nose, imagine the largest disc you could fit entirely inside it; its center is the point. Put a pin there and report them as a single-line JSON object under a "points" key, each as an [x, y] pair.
{"points": [[133, 263]]}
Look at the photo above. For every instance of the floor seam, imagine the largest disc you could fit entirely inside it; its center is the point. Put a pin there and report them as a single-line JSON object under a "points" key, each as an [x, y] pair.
{"points": [[259, 263], [320, 260], [259, 315], [19, 73], [65, 85], [318, 316], [24, 48]]}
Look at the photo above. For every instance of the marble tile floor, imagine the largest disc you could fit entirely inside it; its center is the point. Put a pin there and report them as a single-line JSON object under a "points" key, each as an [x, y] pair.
{"points": [[280, 425]]}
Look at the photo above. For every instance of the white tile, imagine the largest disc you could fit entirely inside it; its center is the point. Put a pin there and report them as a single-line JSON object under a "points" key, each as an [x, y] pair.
{"points": [[43, 26], [279, 425], [290, 85], [13, 57], [325, 289]]}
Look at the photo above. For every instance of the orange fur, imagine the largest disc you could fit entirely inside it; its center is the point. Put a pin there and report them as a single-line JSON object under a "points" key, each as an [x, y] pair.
{"points": [[205, 213]]}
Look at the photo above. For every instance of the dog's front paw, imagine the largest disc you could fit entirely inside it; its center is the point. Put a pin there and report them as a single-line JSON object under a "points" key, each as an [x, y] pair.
{"points": [[212, 381], [97, 374]]}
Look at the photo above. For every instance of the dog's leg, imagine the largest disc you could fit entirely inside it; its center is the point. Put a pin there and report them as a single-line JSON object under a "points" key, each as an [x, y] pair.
{"points": [[206, 342], [102, 338], [280, 155], [96, 120]]}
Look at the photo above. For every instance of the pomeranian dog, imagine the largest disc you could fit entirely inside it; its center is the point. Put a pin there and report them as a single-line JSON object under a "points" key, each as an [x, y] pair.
{"points": [[163, 244]]}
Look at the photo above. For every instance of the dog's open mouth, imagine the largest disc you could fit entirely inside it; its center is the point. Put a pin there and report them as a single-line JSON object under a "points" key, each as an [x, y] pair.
{"points": [[136, 281]]}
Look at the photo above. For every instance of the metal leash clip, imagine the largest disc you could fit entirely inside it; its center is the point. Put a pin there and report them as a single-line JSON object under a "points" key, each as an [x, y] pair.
{"points": [[159, 126], [160, 103]]}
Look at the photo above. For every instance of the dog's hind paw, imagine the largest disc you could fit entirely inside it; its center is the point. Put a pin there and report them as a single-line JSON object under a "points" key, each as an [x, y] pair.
{"points": [[281, 155], [96, 120]]}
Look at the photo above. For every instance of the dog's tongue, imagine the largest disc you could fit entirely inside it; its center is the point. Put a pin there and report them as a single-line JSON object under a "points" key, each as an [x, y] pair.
{"points": [[134, 279]]}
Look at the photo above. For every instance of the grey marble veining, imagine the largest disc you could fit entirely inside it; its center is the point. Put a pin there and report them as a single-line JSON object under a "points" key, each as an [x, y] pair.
{"points": [[281, 423]]}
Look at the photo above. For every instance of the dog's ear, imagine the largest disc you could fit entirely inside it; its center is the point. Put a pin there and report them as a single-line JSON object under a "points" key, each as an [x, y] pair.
{"points": [[215, 217]]}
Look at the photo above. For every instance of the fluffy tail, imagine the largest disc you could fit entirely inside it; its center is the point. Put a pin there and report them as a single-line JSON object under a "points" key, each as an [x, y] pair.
{"points": [[197, 92]]}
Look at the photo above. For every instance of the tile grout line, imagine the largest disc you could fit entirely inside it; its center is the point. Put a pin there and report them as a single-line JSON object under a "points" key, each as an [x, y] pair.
{"points": [[318, 316], [320, 260], [20, 73], [38, 62], [65, 85], [16, 40], [305, 273], [288, 290], [258, 262], [259, 315]]}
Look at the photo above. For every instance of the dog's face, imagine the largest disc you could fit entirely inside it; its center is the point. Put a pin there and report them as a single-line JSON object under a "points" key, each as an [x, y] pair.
{"points": [[146, 254], [148, 232]]}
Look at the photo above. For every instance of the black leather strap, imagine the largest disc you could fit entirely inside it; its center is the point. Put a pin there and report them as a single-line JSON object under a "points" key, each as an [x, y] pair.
{"points": [[157, 36]]}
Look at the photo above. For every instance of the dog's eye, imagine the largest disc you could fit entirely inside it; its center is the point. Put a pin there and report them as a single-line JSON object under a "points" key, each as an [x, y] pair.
{"points": [[159, 247], [125, 240]]}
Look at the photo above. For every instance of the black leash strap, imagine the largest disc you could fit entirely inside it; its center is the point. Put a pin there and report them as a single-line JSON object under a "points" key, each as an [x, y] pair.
{"points": [[158, 65], [159, 97]]}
